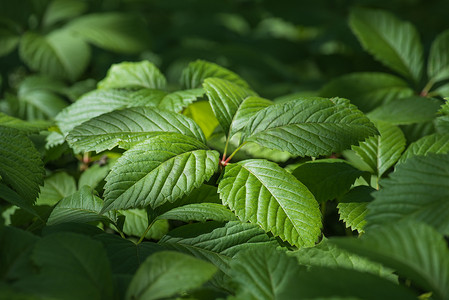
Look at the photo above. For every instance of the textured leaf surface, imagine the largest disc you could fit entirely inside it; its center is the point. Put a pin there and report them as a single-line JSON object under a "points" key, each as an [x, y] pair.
{"points": [[23, 126], [142, 74], [327, 179], [57, 186], [415, 250], [381, 152], [21, 165], [80, 207], [225, 99], [434, 143], [418, 189], [309, 126], [367, 90], [393, 42], [168, 273], [263, 272], [352, 207], [58, 54], [438, 67], [107, 130], [162, 168], [9, 195], [199, 212], [263, 193], [406, 111], [248, 108], [179, 100], [113, 31], [192, 77]]}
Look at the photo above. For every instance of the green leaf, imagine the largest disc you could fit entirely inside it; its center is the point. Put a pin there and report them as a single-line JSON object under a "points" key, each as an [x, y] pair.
{"points": [[62, 10], [416, 190], [201, 112], [193, 76], [80, 207], [367, 90], [263, 272], [327, 179], [12, 197], [135, 124], [215, 242], [415, 250], [168, 273], [113, 31], [326, 254], [434, 143], [21, 165], [71, 266], [199, 212], [142, 74], [179, 100], [136, 223], [393, 42], [93, 175], [225, 99], [381, 152], [263, 193], [162, 168], [406, 111], [8, 41], [352, 207], [246, 110], [23, 126], [309, 126], [438, 66], [56, 187], [58, 54]]}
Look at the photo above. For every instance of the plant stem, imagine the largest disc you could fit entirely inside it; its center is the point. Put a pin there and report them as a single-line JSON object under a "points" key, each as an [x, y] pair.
{"points": [[233, 153], [146, 231], [427, 88]]}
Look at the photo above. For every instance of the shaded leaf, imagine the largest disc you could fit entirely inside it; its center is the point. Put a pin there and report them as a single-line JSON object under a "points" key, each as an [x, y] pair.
{"points": [[12, 197], [352, 207], [61, 10], [94, 175], [136, 223], [434, 143], [199, 212], [438, 66], [23, 126], [8, 41], [56, 187], [263, 193]]}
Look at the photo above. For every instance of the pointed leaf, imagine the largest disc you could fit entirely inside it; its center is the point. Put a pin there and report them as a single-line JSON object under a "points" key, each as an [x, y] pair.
{"points": [[80, 207], [168, 273], [393, 42], [56, 187], [247, 109], [438, 67], [367, 90], [57, 11], [136, 224], [14, 198], [225, 98], [179, 100], [309, 126], [8, 41], [192, 77], [199, 212], [142, 74], [94, 175], [201, 112], [327, 179], [415, 250], [162, 168], [21, 165], [381, 152], [23, 126], [263, 193], [352, 207], [434, 143], [136, 123]]}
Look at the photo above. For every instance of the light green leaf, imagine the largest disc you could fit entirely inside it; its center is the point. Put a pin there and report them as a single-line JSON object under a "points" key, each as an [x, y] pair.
{"points": [[193, 76], [8, 41], [381, 152], [168, 273], [136, 223], [406, 111], [21, 165], [367, 90], [327, 179], [162, 168], [393, 42], [309, 126], [438, 66], [201, 112], [415, 250], [263, 193], [215, 242], [142, 74], [71, 266], [56, 187], [225, 99], [23, 126], [416, 190], [58, 54], [434, 143], [199, 212], [61, 10], [352, 207], [113, 31], [263, 272], [93, 176], [80, 207], [135, 124], [179, 100], [247, 109]]}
